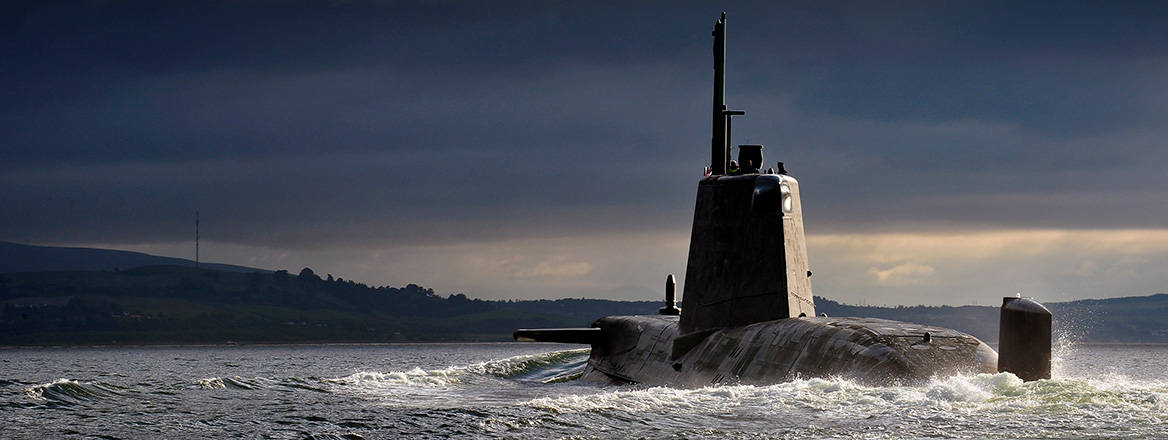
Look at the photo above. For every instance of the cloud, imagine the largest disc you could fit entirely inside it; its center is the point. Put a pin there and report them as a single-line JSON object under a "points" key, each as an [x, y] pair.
{"points": [[959, 267], [543, 149], [903, 274], [556, 268], [986, 245]]}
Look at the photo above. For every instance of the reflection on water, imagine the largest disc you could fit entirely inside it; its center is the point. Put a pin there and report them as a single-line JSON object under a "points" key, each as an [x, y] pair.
{"points": [[529, 391]]}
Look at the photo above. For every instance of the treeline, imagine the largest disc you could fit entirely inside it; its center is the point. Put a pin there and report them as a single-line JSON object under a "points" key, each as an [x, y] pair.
{"points": [[979, 321], [179, 304], [1135, 319], [173, 304]]}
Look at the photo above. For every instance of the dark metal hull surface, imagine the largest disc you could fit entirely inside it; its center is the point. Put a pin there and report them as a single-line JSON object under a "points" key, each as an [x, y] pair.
{"points": [[640, 349]]}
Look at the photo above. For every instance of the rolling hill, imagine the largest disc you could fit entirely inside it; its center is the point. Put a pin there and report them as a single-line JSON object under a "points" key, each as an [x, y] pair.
{"points": [[183, 304], [15, 257]]}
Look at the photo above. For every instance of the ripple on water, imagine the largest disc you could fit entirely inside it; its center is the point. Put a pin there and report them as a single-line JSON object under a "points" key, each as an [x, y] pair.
{"points": [[234, 382]]}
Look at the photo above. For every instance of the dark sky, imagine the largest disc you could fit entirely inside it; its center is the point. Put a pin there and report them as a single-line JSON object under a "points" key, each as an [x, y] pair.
{"points": [[550, 149]]}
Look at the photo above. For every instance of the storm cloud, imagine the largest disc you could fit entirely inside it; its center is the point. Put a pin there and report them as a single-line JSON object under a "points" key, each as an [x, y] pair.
{"points": [[546, 149]]}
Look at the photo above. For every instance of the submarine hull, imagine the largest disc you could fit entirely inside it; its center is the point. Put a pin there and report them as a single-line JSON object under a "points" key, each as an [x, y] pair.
{"points": [[647, 350]]}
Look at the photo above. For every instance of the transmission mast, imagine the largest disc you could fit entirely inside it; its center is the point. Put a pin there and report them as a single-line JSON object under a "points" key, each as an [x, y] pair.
{"points": [[196, 238]]}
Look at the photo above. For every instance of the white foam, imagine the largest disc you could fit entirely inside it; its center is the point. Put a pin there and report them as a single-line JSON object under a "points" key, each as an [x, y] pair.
{"points": [[67, 390], [501, 368], [38, 391], [963, 394], [212, 383], [415, 377]]}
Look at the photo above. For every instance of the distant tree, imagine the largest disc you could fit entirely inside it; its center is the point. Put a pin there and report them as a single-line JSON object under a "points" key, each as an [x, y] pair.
{"points": [[307, 274]]}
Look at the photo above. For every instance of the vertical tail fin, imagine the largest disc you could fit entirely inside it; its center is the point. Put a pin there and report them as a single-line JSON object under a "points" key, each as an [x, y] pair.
{"points": [[1024, 338]]}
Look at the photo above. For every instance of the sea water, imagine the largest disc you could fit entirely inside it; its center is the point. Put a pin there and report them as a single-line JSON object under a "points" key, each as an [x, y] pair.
{"points": [[530, 391]]}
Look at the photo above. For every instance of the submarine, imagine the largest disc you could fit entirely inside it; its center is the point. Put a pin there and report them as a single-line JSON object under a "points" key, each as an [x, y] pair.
{"points": [[749, 313]]}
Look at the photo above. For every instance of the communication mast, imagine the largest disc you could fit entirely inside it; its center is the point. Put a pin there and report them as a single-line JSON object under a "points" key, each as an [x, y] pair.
{"points": [[196, 238]]}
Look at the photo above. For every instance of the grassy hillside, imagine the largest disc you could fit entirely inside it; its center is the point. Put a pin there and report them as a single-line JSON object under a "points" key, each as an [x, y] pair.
{"points": [[16, 257]]}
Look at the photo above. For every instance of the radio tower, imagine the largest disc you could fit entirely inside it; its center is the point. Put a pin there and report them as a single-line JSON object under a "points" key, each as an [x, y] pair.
{"points": [[196, 238]]}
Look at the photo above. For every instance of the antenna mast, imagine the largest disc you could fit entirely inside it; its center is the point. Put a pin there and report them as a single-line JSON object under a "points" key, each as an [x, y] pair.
{"points": [[196, 238], [720, 141]]}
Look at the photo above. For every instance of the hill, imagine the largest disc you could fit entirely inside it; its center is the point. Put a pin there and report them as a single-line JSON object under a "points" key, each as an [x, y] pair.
{"points": [[15, 257], [1127, 319], [182, 304], [177, 304]]}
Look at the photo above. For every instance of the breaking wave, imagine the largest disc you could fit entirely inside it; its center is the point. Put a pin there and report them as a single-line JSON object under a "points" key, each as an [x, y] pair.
{"points": [[258, 383], [556, 366], [235, 382], [72, 392], [934, 409]]}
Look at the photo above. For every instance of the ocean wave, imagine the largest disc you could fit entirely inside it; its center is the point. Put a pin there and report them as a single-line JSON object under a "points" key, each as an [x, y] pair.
{"points": [[550, 367], [69, 392], [309, 384], [960, 394], [234, 382]]}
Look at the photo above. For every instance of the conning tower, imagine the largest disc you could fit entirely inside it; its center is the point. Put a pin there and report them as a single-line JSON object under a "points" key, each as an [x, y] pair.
{"points": [[747, 254]]}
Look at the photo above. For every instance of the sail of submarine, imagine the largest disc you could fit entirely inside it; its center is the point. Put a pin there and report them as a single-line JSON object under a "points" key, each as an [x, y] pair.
{"points": [[749, 314]]}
